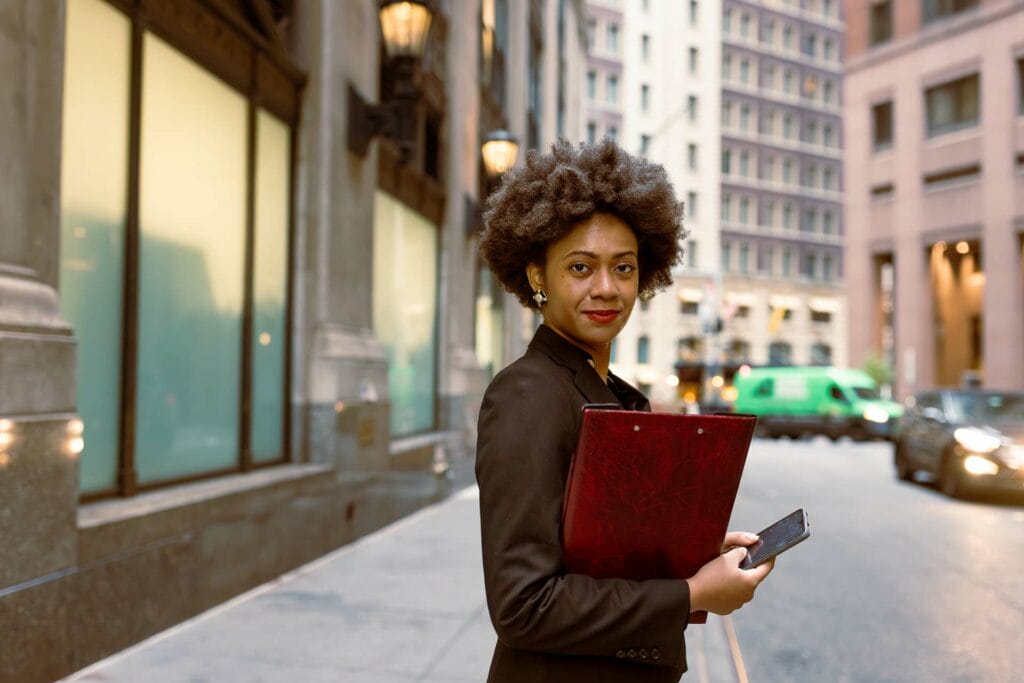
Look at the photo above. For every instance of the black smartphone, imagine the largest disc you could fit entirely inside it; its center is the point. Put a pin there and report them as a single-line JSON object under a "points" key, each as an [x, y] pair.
{"points": [[781, 536]]}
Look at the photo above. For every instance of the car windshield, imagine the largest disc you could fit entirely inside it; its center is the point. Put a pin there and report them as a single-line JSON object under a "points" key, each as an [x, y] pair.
{"points": [[866, 393], [988, 407]]}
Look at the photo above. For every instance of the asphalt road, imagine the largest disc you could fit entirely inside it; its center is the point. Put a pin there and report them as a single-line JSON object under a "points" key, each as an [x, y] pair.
{"points": [[896, 583]]}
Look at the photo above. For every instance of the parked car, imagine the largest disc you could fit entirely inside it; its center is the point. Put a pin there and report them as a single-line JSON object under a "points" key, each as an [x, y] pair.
{"points": [[792, 401], [966, 439]]}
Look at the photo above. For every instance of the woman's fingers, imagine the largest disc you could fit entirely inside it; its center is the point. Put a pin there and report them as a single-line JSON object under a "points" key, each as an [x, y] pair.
{"points": [[735, 539]]}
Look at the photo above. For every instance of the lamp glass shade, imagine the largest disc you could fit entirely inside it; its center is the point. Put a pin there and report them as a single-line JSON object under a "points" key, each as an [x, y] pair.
{"points": [[405, 26], [499, 155]]}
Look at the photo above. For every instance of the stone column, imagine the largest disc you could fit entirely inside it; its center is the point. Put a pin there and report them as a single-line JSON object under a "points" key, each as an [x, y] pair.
{"points": [[38, 472]]}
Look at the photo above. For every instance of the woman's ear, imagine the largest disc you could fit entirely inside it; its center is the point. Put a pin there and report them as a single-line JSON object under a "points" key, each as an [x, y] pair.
{"points": [[535, 276]]}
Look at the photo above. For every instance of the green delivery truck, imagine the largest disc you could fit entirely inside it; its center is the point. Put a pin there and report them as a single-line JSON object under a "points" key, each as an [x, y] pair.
{"points": [[793, 401]]}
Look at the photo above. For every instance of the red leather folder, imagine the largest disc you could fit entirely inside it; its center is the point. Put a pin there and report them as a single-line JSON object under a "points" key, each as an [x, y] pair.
{"points": [[649, 495]]}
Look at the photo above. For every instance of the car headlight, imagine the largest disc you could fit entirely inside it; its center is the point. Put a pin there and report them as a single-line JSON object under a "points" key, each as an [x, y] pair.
{"points": [[975, 440], [975, 464], [875, 414]]}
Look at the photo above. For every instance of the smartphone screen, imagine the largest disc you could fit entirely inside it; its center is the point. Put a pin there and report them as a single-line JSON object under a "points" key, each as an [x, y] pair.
{"points": [[782, 535]]}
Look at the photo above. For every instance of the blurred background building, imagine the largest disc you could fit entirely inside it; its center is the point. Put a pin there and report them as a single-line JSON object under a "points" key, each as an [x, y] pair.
{"points": [[741, 102], [934, 96], [242, 315]]}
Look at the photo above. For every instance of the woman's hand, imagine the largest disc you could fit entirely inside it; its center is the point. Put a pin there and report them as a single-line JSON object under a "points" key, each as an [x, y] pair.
{"points": [[720, 586]]}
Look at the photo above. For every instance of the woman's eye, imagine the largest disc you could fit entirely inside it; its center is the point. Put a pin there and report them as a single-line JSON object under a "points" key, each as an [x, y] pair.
{"points": [[579, 268], [625, 268]]}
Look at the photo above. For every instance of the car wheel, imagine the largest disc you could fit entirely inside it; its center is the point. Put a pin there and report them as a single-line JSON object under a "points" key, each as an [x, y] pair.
{"points": [[950, 478], [899, 458]]}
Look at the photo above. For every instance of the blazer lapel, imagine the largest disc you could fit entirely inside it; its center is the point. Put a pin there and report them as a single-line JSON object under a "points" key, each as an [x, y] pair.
{"points": [[567, 354]]}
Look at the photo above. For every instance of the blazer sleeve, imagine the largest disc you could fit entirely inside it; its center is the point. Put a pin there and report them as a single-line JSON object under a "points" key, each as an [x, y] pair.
{"points": [[526, 436]]}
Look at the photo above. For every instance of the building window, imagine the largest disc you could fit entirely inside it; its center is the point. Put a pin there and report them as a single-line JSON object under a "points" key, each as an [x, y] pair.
{"points": [[737, 351], [591, 85], [828, 93], [828, 179], [726, 114], [694, 13], [768, 213], [405, 310], [726, 257], [643, 350], [645, 145], [810, 265], [691, 108], [591, 132], [820, 316], [745, 118], [613, 133], [694, 57], [787, 81], [645, 97], [726, 161], [826, 268], [881, 126], [880, 30], [780, 353], [612, 90], [726, 207], [828, 223], [727, 21], [744, 257], [726, 66], [769, 169], [208, 393], [691, 205], [810, 221], [745, 25], [787, 263], [744, 71], [953, 106], [645, 47], [827, 136], [787, 216], [744, 163], [768, 36], [766, 259], [1020, 85], [744, 210], [691, 156], [689, 307], [821, 354], [829, 50], [691, 252], [811, 45], [613, 38], [812, 132], [768, 124], [937, 9], [787, 37], [787, 171]]}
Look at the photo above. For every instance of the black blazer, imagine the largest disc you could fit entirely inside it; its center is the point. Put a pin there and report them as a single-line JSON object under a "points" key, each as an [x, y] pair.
{"points": [[554, 626]]}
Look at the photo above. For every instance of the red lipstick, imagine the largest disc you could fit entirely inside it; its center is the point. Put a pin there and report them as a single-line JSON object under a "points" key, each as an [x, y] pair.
{"points": [[602, 317]]}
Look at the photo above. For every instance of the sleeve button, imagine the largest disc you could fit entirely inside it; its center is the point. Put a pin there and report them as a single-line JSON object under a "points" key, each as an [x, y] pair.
{"points": [[620, 654], [644, 653], [655, 653], [631, 654]]}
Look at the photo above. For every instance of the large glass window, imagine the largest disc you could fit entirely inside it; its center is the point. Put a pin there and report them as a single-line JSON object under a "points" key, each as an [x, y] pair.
{"points": [[192, 264], [270, 285], [953, 105], [405, 310], [94, 185], [881, 22], [175, 222]]}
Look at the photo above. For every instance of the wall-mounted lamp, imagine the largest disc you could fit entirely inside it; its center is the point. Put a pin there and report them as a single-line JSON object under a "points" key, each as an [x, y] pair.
{"points": [[404, 25], [500, 149]]}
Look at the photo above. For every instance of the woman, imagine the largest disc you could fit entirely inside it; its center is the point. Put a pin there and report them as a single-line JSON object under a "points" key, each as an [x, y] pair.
{"points": [[577, 234]]}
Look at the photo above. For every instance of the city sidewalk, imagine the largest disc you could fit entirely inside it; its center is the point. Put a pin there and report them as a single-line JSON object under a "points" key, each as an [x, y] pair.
{"points": [[403, 604]]}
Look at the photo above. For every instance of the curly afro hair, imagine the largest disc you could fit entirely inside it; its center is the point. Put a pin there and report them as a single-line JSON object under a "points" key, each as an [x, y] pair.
{"points": [[539, 203]]}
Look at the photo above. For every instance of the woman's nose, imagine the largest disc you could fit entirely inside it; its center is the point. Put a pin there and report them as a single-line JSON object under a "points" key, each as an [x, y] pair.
{"points": [[603, 285]]}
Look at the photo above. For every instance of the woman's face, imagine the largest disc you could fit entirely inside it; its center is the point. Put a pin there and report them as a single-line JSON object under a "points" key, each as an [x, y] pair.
{"points": [[591, 278]]}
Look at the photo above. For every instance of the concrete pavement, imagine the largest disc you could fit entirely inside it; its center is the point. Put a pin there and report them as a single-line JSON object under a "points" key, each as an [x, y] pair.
{"points": [[403, 604]]}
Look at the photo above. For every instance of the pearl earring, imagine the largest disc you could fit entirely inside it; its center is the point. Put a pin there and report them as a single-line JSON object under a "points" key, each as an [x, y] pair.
{"points": [[540, 297]]}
